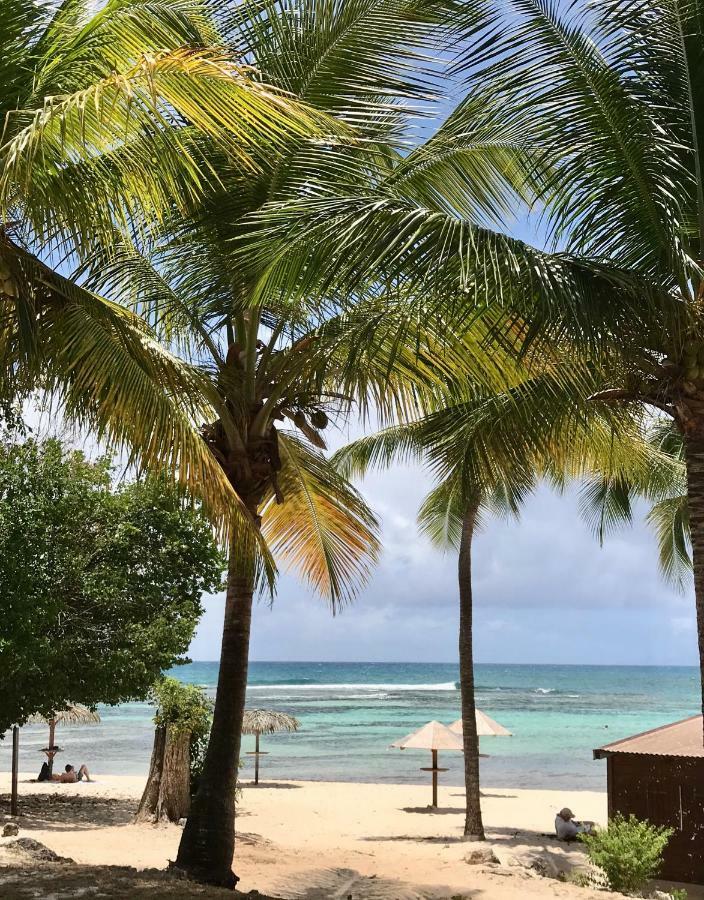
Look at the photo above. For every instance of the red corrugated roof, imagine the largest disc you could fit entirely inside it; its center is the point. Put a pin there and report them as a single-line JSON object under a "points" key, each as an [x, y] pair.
{"points": [[682, 738]]}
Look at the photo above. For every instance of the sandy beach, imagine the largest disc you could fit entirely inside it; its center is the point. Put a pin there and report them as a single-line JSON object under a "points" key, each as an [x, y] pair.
{"points": [[326, 840]]}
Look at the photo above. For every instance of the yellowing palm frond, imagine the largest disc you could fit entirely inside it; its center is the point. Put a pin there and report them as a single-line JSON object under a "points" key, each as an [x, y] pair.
{"points": [[323, 529], [142, 110]]}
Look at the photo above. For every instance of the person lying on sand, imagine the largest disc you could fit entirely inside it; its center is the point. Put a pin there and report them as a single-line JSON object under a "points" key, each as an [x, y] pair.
{"points": [[567, 829], [71, 776]]}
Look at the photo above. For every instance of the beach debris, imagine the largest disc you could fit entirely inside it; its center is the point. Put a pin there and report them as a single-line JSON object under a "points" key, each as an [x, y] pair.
{"points": [[11, 829], [484, 856], [36, 850]]}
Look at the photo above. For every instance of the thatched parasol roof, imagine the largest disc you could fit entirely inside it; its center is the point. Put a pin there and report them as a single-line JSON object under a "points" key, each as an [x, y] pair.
{"points": [[486, 726], [433, 736], [74, 714], [267, 721]]}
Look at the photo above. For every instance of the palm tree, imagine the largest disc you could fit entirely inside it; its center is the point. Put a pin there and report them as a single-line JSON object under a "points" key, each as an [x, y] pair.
{"points": [[488, 451], [596, 111], [451, 516], [106, 110], [267, 356]]}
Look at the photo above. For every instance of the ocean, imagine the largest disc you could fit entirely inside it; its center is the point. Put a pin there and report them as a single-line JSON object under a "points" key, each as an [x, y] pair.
{"points": [[351, 712]]}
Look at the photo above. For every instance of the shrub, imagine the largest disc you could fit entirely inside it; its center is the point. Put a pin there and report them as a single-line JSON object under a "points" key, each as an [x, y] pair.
{"points": [[629, 852], [185, 707]]}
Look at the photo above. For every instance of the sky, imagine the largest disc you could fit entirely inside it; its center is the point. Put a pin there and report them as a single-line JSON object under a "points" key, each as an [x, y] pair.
{"points": [[544, 592]]}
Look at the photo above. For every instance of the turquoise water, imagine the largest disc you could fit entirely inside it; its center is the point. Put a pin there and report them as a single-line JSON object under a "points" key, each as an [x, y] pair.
{"points": [[351, 712]]}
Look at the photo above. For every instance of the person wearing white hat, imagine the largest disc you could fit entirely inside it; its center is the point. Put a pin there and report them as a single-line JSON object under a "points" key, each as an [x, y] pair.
{"points": [[567, 829]]}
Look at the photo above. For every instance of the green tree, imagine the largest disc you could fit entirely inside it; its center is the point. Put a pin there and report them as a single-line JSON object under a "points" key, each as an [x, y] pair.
{"points": [[100, 586], [183, 718]]}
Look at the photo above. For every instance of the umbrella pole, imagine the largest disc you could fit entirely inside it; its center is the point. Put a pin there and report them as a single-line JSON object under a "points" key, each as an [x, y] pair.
{"points": [[15, 768], [52, 738], [435, 778], [256, 758]]}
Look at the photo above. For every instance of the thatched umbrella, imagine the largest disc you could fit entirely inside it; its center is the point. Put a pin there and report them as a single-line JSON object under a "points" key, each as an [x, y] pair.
{"points": [[265, 721], [486, 726], [434, 736], [73, 714]]}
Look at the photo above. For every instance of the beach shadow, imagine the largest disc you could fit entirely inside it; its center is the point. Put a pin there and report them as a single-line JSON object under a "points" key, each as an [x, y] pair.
{"points": [[491, 796], [272, 785], [339, 884], [30, 879], [414, 839], [69, 812], [434, 810]]}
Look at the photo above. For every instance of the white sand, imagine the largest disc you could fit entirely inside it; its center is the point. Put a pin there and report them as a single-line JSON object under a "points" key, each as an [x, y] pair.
{"points": [[300, 834]]}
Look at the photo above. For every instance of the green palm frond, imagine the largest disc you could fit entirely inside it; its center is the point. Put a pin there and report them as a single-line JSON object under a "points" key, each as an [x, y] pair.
{"points": [[323, 529], [353, 58], [345, 244], [670, 519], [103, 367], [606, 504], [145, 102], [442, 513], [574, 75]]}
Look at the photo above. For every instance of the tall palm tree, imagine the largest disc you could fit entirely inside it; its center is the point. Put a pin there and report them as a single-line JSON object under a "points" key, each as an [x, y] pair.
{"points": [[105, 111], [451, 516], [268, 356], [488, 451], [597, 108]]}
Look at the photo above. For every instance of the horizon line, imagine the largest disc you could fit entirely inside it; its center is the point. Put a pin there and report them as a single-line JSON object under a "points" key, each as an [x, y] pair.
{"points": [[394, 662]]}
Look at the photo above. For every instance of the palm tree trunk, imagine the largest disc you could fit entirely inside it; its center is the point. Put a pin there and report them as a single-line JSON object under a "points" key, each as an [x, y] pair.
{"points": [[208, 842], [694, 455], [473, 827]]}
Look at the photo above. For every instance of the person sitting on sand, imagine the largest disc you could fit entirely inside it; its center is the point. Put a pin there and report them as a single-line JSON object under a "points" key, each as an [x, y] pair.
{"points": [[567, 829], [71, 776]]}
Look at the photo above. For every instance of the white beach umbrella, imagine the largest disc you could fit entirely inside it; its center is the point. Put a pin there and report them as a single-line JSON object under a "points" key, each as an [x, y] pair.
{"points": [[434, 737], [486, 726]]}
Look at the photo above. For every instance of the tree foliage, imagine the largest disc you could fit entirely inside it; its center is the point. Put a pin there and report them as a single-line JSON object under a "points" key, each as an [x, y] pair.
{"points": [[100, 587], [184, 709], [629, 852]]}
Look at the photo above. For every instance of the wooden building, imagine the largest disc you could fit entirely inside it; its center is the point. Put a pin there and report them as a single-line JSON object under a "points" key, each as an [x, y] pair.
{"points": [[659, 776]]}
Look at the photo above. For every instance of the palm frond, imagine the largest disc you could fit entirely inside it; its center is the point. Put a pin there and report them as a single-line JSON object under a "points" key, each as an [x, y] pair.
{"points": [[620, 185], [605, 504], [441, 515], [147, 101], [103, 367], [670, 519], [323, 529], [354, 58]]}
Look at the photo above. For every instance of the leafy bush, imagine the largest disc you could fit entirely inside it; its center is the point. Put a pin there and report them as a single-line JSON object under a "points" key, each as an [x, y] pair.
{"points": [[629, 852], [185, 708]]}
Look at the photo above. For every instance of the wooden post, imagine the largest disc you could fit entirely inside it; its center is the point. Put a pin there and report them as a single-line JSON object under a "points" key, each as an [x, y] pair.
{"points": [[15, 768], [256, 758], [435, 777], [52, 739]]}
